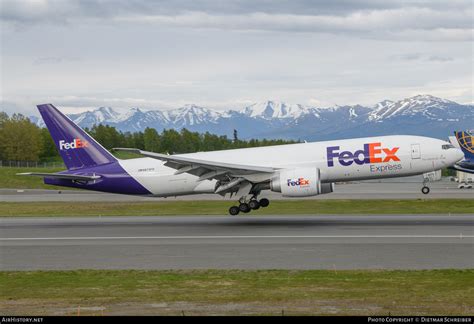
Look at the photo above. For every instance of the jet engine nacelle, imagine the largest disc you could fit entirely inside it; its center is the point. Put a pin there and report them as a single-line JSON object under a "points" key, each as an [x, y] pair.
{"points": [[301, 182]]}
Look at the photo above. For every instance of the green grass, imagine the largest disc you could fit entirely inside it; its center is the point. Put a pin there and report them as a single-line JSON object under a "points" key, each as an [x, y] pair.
{"points": [[199, 292], [126, 155], [9, 179], [280, 207]]}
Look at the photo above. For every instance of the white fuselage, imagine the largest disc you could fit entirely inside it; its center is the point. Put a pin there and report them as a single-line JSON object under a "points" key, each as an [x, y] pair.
{"points": [[338, 160]]}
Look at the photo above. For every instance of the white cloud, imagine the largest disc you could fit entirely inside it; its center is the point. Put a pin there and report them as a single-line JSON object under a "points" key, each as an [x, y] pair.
{"points": [[417, 20], [363, 21], [221, 54]]}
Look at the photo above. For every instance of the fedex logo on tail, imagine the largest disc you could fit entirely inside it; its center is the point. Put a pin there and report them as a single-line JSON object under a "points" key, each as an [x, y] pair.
{"points": [[371, 154], [76, 143]]}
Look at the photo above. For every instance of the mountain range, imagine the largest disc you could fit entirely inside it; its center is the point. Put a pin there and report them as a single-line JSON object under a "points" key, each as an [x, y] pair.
{"points": [[419, 115]]}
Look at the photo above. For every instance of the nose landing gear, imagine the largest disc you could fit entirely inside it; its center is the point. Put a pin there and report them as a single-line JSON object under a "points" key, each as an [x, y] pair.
{"points": [[425, 189], [246, 207]]}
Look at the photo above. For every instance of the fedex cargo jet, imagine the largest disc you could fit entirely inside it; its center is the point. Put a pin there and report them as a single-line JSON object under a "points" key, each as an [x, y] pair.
{"points": [[295, 170]]}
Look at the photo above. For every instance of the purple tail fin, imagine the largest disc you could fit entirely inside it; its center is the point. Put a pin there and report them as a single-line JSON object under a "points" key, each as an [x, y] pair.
{"points": [[75, 146]]}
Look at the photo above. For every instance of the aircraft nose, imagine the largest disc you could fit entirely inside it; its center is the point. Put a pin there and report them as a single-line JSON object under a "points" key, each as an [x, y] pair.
{"points": [[458, 155]]}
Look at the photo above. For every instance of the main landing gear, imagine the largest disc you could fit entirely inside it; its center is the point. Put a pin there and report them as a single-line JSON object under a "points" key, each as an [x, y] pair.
{"points": [[246, 207]]}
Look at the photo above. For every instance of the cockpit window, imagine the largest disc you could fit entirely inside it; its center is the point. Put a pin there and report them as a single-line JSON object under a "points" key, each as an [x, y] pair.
{"points": [[447, 146]]}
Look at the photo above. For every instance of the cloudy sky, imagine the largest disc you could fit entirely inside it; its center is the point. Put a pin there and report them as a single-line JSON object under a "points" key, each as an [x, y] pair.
{"points": [[225, 54]]}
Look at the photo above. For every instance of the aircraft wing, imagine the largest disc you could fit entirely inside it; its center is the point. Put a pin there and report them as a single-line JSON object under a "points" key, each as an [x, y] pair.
{"points": [[62, 176], [184, 164], [233, 174]]}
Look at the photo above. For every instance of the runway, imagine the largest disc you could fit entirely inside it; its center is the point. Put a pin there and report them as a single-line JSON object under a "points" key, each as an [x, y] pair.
{"points": [[406, 189], [224, 242]]}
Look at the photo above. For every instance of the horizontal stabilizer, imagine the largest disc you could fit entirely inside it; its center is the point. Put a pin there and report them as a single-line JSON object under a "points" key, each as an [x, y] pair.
{"points": [[61, 176]]}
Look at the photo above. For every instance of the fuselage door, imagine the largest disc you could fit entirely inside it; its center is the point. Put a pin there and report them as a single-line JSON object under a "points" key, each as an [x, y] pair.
{"points": [[415, 151]]}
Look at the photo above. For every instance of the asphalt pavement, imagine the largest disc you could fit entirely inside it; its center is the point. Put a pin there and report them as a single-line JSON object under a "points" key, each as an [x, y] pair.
{"points": [[239, 242]]}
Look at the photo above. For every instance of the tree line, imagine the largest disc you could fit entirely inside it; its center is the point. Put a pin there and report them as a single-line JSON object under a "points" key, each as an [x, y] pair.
{"points": [[22, 140]]}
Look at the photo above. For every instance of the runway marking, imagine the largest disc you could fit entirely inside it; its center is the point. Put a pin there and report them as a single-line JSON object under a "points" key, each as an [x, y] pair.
{"points": [[219, 237]]}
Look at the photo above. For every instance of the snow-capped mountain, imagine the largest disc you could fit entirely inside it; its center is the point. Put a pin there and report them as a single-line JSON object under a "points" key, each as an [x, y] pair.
{"points": [[101, 115], [426, 105], [272, 110], [137, 120], [419, 115], [192, 115]]}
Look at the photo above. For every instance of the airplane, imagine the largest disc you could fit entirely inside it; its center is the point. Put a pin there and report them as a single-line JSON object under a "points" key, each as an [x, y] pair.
{"points": [[464, 141], [294, 170]]}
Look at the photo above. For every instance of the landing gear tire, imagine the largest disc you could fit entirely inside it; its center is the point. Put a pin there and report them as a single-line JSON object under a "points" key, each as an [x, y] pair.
{"points": [[244, 207], [264, 202], [254, 204], [425, 190], [234, 210]]}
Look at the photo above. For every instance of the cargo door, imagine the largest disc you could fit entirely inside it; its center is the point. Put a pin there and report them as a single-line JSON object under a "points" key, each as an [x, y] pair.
{"points": [[415, 151]]}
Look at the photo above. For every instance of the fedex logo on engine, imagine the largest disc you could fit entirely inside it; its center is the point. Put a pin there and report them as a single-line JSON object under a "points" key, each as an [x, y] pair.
{"points": [[76, 143], [371, 154], [300, 182]]}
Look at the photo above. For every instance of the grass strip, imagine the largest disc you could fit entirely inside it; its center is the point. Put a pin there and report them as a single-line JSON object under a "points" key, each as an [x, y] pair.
{"points": [[204, 292], [277, 207]]}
